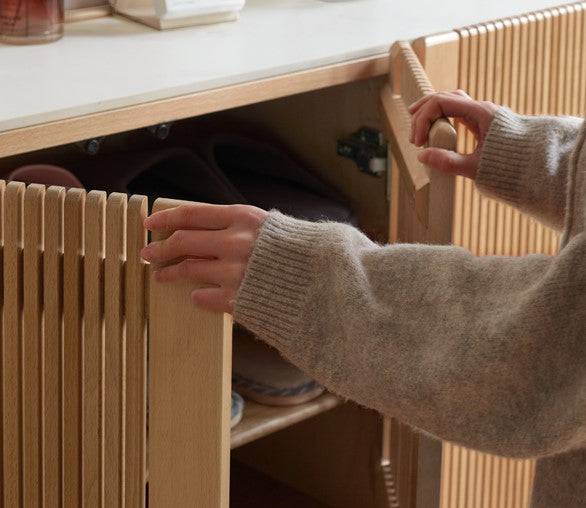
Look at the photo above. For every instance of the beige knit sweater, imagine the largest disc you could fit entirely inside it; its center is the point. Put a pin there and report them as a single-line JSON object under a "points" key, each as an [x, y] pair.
{"points": [[488, 352]]}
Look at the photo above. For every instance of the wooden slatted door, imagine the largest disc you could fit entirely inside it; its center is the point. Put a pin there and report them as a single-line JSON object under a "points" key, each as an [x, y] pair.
{"points": [[421, 211], [73, 362], [534, 64]]}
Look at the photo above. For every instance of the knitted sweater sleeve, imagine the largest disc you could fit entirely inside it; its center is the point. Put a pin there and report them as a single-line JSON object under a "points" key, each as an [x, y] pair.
{"points": [[525, 161], [488, 352]]}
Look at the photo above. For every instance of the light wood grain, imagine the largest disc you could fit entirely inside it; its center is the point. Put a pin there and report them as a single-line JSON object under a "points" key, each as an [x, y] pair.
{"points": [[74, 221], [410, 79], [189, 394], [136, 356], [93, 351], [11, 351], [2, 188], [32, 345], [416, 175], [115, 345], [582, 59], [536, 65], [260, 420], [61, 253], [142, 115], [53, 330]]}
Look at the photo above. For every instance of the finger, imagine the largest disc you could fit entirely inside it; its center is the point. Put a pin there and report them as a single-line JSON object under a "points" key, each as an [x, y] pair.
{"points": [[192, 216], [202, 271], [439, 107], [420, 102], [413, 108], [184, 243], [450, 162], [462, 93], [214, 299]]}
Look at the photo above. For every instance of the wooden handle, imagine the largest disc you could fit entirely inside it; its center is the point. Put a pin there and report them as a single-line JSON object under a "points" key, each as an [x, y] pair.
{"points": [[408, 83], [399, 123], [414, 82]]}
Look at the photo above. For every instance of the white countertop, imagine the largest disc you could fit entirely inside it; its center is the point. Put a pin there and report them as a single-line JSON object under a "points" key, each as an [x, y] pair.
{"points": [[110, 62]]}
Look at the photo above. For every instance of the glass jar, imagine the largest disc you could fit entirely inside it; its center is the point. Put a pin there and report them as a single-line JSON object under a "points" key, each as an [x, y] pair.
{"points": [[30, 21]]}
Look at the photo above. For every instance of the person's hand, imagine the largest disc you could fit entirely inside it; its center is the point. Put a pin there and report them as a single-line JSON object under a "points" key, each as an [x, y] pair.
{"points": [[475, 115], [210, 246]]}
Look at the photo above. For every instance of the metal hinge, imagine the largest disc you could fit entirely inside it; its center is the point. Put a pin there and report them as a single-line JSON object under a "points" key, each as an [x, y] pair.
{"points": [[367, 148]]}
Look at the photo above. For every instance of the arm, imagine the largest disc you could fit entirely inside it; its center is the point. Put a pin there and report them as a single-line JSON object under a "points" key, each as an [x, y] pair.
{"points": [[521, 160], [487, 352], [525, 161]]}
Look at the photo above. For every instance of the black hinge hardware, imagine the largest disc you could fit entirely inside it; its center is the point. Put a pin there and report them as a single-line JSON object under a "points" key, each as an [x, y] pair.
{"points": [[367, 148]]}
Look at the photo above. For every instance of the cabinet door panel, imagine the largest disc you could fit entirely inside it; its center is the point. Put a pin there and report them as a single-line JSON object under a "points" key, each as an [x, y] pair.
{"points": [[189, 398]]}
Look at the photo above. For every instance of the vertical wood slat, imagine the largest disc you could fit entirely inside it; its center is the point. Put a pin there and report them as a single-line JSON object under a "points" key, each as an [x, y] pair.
{"points": [[2, 188], [74, 221], [481, 228], [114, 350], [473, 88], [62, 340], [53, 330], [32, 347], [187, 348], [582, 52], [11, 347], [405, 464], [93, 352], [136, 377]]}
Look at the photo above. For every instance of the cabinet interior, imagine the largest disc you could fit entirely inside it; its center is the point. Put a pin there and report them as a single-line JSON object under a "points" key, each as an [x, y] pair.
{"points": [[328, 454]]}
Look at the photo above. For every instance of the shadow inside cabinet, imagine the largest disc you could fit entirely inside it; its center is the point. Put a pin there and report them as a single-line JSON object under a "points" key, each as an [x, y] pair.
{"points": [[307, 126], [252, 489], [329, 453]]}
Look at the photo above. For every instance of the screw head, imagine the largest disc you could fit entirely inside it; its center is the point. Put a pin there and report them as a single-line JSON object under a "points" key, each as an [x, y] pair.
{"points": [[92, 146]]}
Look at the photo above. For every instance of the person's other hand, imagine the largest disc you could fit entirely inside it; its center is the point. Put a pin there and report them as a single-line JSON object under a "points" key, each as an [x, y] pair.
{"points": [[475, 115], [210, 245]]}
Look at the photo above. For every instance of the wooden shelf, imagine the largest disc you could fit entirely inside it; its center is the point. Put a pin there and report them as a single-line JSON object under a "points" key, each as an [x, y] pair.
{"points": [[259, 420]]}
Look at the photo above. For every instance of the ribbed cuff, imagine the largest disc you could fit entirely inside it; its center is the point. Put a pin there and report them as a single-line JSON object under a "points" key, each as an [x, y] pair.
{"points": [[275, 287], [506, 156]]}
